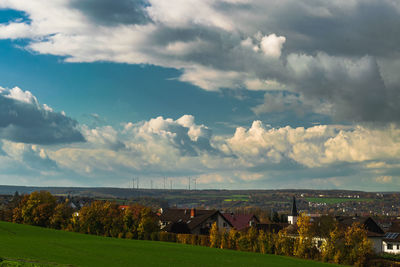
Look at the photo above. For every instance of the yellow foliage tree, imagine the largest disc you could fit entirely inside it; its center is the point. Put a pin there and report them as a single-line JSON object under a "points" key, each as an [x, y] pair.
{"points": [[359, 247], [284, 244], [215, 239], [333, 245], [304, 246]]}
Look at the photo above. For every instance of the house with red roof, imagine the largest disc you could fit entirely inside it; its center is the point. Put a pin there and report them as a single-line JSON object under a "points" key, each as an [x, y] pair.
{"points": [[241, 221]]}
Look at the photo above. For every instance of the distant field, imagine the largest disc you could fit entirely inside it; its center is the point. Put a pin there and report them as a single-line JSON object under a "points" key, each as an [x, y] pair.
{"points": [[236, 199], [333, 200], [48, 247]]}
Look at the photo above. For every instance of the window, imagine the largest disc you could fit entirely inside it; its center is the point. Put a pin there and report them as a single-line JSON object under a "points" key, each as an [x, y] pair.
{"points": [[389, 246], [398, 246], [224, 224]]}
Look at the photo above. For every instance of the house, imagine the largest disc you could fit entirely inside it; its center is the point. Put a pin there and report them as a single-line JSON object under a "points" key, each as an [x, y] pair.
{"points": [[391, 243], [192, 221], [374, 231], [241, 221], [391, 240]]}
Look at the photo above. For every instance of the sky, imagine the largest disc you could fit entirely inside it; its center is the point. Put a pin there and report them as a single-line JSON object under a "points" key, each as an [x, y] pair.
{"points": [[229, 94]]}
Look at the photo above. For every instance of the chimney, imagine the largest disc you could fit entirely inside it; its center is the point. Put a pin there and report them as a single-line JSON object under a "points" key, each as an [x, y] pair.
{"points": [[192, 213]]}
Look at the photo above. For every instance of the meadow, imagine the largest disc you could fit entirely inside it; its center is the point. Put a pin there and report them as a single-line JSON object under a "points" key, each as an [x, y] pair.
{"points": [[35, 246], [334, 200]]}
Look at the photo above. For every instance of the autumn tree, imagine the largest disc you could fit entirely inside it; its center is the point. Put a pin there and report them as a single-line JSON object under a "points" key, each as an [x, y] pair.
{"points": [[233, 237], [215, 239], [304, 246], [147, 224], [358, 246], [332, 248], [62, 216], [252, 236], [265, 242], [35, 209], [284, 244]]}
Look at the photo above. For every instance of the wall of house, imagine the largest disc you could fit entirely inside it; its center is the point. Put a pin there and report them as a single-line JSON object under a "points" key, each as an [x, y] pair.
{"points": [[395, 247], [376, 244], [222, 223], [292, 219]]}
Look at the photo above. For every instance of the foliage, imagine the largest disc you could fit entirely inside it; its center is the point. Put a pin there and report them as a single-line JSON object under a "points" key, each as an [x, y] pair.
{"points": [[284, 244], [215, 237], [35, 209], [62, 216], [304, 246], [359, 247]]}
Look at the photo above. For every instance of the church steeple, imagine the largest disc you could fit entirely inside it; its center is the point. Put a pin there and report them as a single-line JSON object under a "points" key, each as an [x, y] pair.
{"points": [[292, 217], [294, 208]]}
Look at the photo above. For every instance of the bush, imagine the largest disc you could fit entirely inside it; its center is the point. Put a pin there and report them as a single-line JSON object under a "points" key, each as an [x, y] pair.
{"points": [[155, 236], [129, 235], [204, 240], [167, 237]]}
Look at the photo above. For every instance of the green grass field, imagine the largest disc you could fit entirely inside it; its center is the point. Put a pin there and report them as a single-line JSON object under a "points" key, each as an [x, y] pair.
{"points": [[332, 200], [46, 247]]}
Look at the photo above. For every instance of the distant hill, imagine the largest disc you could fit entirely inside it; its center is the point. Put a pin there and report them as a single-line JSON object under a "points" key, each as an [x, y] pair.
{"points": [[49, 247], [114, 192]]}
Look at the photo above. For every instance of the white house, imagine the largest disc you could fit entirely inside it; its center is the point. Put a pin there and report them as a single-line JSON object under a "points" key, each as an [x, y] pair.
{"points": [[391, 243]]}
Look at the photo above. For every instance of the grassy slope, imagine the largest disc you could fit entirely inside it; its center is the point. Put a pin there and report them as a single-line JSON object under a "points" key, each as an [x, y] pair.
{"points": [[46, 245]]}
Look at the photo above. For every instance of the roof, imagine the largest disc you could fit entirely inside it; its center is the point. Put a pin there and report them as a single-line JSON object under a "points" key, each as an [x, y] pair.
{"points": [[183, 215], [271, 227], [294, 208], [373, 229], [240, 221]]}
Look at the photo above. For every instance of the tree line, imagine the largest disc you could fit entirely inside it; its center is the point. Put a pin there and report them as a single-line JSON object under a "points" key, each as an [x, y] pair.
{"points": [[334, 243], [98, 218]]}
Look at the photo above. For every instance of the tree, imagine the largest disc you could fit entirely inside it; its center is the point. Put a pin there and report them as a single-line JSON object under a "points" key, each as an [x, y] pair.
{"points": [[35, 209], [284, 244], [333, 246], [304, 246], [252, 237], [147, 224], [215, 239], [233, 237], [62, 216], [358, 246]]}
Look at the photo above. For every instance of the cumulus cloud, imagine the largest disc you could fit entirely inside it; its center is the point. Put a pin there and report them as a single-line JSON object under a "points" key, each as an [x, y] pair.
{"points": [[336, 53], [326, 155], [23, 119], [271, 45]]}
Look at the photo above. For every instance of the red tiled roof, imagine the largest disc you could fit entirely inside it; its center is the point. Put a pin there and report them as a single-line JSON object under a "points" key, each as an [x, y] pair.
{"points": [[240, 221]]}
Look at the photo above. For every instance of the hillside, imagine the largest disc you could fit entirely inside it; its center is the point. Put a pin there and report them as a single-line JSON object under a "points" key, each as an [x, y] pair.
{"points": [[48, 246]]}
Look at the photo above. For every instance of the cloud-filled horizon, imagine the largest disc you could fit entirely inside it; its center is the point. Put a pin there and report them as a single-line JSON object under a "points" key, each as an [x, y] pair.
{"points": [[235, 93]]}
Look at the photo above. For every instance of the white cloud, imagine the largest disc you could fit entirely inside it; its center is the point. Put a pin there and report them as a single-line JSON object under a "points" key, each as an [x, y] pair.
{"points": [[15, 31], [272, 45], [23, 96]]}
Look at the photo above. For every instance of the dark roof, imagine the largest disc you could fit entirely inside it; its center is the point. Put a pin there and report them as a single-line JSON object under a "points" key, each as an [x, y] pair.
{"points": [[240, 221], [373, 229], [393, 232], [183, 215], [271, 227], [294, 208]]}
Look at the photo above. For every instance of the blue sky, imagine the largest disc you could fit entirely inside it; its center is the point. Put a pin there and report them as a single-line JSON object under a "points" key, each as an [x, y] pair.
{"points": [[233, 93]]}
